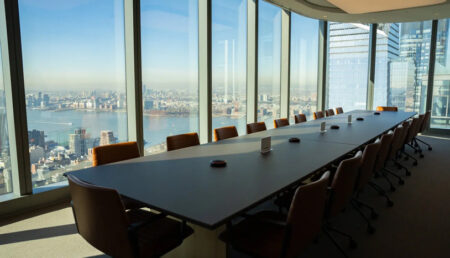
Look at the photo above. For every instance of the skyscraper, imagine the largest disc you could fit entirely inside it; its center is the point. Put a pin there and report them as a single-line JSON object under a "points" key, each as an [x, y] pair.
{"points": [[107, 137], [77, 142]]}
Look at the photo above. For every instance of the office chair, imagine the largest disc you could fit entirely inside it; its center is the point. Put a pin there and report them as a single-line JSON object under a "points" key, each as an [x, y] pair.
{"points": [[277, 123], [269, 234], [256, 127], [395, 146], [225, 133], [102, 220], [340, 195], [318, 115], [381, 108], [380, 163], [106, 154], [300, 118], [180, 141], [339, 110], [329, 112], [410, 134], [423, 128]]}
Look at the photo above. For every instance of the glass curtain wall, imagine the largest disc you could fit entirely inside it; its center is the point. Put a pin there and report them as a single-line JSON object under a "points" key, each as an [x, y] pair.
{"points": [[269, 62], [304, 66], [169, 43], [347, 66], [74, 72], [229, 51], [402, 59], [440, 110]]}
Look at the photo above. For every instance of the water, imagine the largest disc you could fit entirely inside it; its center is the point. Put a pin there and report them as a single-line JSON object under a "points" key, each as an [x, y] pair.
{"points": [[57, 125]]}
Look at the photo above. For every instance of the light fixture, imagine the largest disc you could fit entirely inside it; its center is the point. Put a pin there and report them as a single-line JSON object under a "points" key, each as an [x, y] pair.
{"points": [[370, 6]]}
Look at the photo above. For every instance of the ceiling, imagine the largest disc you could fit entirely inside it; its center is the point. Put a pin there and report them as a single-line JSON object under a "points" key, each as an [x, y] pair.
{"points": [[324, 10]]}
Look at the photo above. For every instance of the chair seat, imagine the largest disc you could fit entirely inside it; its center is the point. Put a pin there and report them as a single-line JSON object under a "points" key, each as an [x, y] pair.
{"points": [[132, 203], [158, 237], [257, 237]]}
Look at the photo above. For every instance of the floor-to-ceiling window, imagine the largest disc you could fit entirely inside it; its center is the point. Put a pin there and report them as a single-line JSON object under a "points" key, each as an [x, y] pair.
{"points": [[229, 51], [401, 70], [169, 35], [440, 109], [347, 66], [304, 65], [74, 72], [269, 62]]}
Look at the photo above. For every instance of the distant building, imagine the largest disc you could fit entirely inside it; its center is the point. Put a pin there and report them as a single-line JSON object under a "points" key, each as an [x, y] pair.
{"points": [[77, 142], [36, 138], [107, 137], [36, 154]]}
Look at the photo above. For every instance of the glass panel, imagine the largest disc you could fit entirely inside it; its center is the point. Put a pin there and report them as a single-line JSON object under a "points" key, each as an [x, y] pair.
{"points": [[5, 163], [269, 62], [169, 34], [401, 70], [440, 114], [304, 65], [229, 52], [74, 69], [347, 69]]}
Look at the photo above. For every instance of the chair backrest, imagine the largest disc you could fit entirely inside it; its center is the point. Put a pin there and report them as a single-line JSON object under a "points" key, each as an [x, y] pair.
{"points": [[225, 133], [256, 127], [180, 141], [318, 114], [406, 126], [383, 153], [381, 108], [339, 110], [114, 152], [426, 121], [368, 160], [277, 123], [420, 125], [300, 118], [100, 217], [306, 214], [343, 184], [396, 142], [412, 131], [329, 112]]}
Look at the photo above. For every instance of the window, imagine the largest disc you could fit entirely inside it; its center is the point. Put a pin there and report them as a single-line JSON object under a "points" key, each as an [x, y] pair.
{"points": [[401, 70], [5, 162], [304, 65], [229, 51], [74, 70], [269, 62], [347, 66], [169, 34], [440, 112]]}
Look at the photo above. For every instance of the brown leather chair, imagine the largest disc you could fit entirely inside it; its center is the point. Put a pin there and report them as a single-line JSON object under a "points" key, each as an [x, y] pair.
{"points": [[105, 154], [300, 118], [318, 115], [101, 220], [410, 134], [180, 141], [423, 128], [277, 123], [398, 139], [329, 112], [114, 152], [225, 133], [270, 234], [381, 108], [341, 193], [339, 110], [256, 127]]}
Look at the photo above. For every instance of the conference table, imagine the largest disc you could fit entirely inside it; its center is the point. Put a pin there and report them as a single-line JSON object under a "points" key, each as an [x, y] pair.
{"points": [[182, 183]]}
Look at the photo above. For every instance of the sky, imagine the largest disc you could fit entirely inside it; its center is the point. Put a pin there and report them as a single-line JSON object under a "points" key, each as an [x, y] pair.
{"points": [[80, 44]]}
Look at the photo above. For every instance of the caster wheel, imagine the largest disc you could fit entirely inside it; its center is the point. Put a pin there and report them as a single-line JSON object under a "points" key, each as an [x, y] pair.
{"points": [[374, 215], [429, 148], [390, 203], [421, 155], [401, 182], [353, 244], [393, 189], [415, 163], [370, 230], [408, 173]]}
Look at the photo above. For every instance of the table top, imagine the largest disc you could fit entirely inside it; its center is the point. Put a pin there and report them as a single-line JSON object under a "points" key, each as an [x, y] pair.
{"points": [[182, 183]]}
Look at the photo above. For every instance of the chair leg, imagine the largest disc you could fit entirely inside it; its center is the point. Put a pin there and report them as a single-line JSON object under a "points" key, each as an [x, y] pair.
{"points": [[400, 180], [428, 145], [416, 144], [409, 156], [373, 213], [380, 190], [392, 188], [407, 172], [335, 243], [370, 228]]}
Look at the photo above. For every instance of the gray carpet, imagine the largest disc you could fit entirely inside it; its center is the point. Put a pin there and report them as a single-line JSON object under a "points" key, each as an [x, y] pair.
{"points": [[417, 226]]}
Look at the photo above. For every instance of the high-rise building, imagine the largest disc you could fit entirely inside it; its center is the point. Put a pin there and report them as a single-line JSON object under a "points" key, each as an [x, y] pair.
{"points": [[36, 138], [77, 142], [107, 137]]}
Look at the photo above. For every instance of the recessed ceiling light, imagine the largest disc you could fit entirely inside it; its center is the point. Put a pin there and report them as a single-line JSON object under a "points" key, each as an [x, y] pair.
{"points": [[370, 6]]}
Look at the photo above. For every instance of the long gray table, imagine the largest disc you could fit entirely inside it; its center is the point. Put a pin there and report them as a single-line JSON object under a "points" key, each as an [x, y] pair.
{"points": [[182, 183]]}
